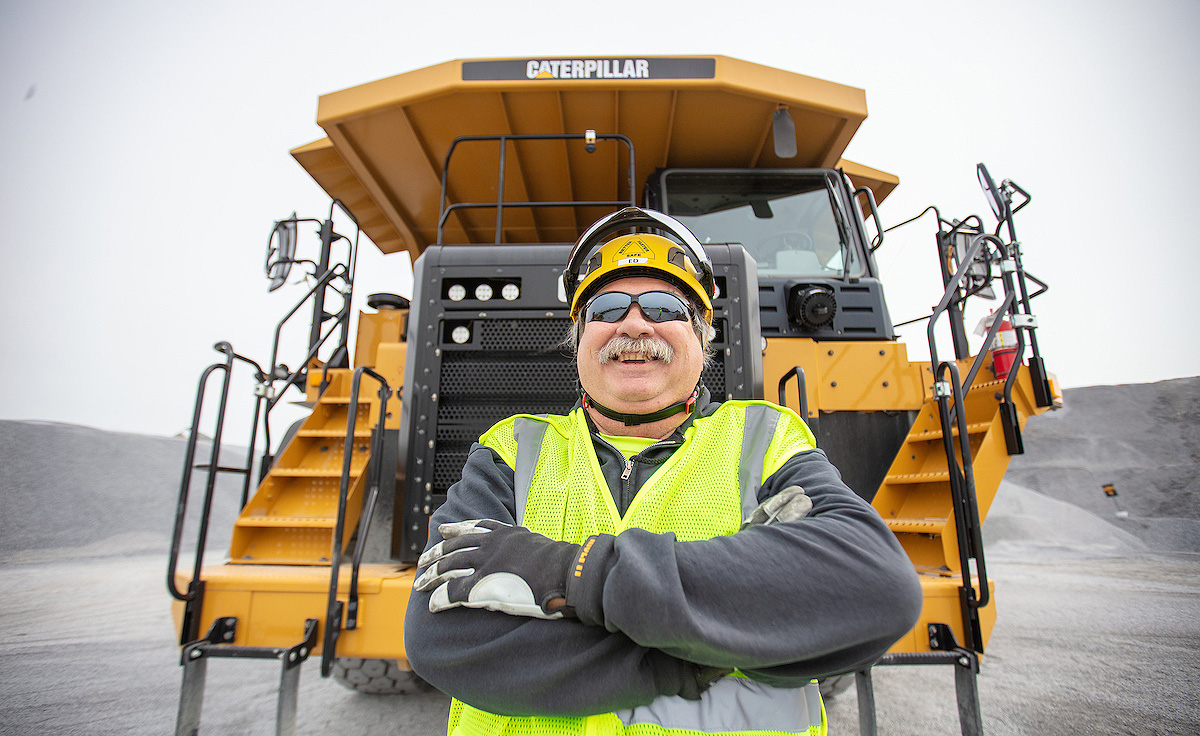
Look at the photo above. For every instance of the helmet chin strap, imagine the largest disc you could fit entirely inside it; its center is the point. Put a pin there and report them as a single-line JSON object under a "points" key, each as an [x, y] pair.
{"points": [[688, 405]]}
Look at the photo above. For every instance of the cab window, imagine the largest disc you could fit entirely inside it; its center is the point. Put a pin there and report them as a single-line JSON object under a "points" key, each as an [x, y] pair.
{"points": [[786, 221]]}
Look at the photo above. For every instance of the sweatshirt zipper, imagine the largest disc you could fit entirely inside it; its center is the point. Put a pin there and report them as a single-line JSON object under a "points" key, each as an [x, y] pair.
{"points": [[625, 485], [627, 472]]}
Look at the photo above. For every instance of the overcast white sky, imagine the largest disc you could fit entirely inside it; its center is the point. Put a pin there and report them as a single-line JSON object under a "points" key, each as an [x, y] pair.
{"points": [[144, 160]]}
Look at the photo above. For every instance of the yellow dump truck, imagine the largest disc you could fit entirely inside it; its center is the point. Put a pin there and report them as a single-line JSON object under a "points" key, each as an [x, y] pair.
{"points": [[484, 172]]}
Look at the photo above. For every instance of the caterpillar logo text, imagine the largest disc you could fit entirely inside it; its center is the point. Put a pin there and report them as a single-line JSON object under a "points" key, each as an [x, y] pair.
{"points": [[588, 69], [653, 67]]}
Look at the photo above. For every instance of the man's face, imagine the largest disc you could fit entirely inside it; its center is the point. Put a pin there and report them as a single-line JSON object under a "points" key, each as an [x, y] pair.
{"points": [[633, 382]]}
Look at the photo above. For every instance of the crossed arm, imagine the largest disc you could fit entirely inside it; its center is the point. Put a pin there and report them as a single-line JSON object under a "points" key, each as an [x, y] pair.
{"points": [[783, 603]]}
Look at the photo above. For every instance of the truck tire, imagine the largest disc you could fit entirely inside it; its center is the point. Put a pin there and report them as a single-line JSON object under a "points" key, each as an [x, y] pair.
{"points": [[376, 677]]}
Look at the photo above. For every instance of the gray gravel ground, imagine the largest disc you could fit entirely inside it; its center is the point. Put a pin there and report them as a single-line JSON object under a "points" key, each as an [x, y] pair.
{"points": [[1098, 645], [1098, 626]]}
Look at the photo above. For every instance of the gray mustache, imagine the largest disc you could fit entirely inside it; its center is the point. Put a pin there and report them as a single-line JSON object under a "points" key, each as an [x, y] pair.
{"points": [[653, 347]]}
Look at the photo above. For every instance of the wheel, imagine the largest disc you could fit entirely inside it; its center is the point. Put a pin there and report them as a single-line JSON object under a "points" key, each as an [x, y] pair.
{"points": [[376, 677]]}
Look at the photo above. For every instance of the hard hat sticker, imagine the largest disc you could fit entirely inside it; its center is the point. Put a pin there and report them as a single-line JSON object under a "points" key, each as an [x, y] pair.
{"points": [[635, 249]]}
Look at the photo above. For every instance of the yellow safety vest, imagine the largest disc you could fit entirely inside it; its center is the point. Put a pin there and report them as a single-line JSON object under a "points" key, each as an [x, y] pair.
{"points": [[697, 494]]}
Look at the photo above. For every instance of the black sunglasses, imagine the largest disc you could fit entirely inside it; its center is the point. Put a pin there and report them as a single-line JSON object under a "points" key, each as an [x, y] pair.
{"points": [[657, 306]]}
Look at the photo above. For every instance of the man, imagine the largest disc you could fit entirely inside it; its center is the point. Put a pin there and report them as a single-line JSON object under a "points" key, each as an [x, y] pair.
{"points": [[652, 563]]}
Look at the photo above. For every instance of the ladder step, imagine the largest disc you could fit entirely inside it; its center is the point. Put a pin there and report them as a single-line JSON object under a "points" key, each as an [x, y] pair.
{"points": [[916, 526], [295, 522], [222, 469], [332, 433], [941, 477], [195, 664], [312, 473], [980, 386], [937, 434]]}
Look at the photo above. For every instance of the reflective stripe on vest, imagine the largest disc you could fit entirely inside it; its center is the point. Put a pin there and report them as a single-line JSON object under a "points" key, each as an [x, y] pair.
{"points": [[528, 437], [733, 705], [696, 494]]}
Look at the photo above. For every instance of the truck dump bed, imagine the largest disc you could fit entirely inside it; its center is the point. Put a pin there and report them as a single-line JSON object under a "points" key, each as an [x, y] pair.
{"points": [[388, 140]]}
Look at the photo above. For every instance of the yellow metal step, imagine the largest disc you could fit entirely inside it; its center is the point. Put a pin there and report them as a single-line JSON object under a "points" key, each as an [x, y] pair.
{"points": [[916, 503], [941, 477], [271, 603], [315, 472], [309, 522], [333, 433], [916, 526], [942, 607], [937, 434], [292, 517]]}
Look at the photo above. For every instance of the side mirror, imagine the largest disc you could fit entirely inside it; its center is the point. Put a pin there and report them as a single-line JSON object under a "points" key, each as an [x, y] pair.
{"points": [[281, 252], [998, 205]]}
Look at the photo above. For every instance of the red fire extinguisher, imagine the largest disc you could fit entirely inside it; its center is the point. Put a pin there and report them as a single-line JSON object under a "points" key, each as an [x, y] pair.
{"points": [[1004, 349]]}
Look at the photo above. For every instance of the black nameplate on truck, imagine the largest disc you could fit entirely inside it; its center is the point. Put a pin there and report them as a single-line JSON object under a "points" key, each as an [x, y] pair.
{"points": [[595, 68]]}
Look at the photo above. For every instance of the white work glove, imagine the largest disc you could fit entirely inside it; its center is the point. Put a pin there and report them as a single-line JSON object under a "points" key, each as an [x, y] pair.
{"points": [[789, 504], [484, 563]]}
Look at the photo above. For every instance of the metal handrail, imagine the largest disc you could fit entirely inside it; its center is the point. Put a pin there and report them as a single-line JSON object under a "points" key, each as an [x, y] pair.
{"points": [[500, 204], [801, 388], [266, 388], [211, 469], [951, 411], [877, 241], [950, 390], [373, 477], [951, 295], [962, 485], [322, 282], [345, 271]]}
